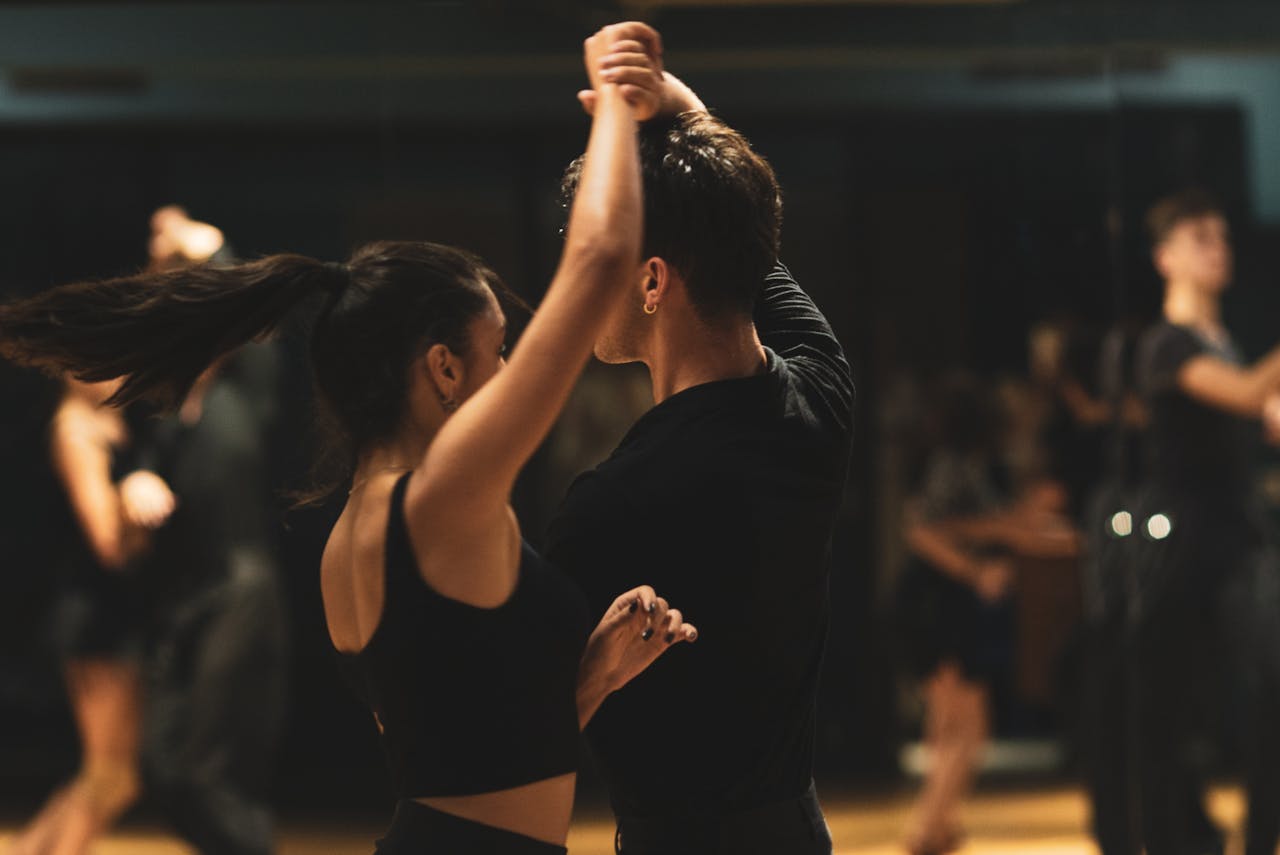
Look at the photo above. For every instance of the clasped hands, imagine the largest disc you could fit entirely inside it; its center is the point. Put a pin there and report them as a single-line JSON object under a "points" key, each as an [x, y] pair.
{"points": [[629, 55]]}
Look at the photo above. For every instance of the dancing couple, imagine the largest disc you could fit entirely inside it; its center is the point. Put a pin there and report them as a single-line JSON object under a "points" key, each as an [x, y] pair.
{"points": [[474, 653]]}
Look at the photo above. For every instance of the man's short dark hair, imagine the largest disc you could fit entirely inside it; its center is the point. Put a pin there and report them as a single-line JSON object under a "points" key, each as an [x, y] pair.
{"points": [[712, 210], [1171, 211]]}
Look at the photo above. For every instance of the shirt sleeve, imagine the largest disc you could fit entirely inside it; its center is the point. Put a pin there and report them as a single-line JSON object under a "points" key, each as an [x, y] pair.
{"points": [[1168, 349], [791, 325]]}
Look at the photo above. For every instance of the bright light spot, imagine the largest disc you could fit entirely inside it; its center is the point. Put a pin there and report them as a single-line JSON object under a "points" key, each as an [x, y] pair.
{"points": [[1159, 527], [1122, 524]]}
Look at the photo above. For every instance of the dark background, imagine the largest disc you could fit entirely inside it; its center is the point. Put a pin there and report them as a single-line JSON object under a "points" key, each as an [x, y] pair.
{"points": [[953, 175]]}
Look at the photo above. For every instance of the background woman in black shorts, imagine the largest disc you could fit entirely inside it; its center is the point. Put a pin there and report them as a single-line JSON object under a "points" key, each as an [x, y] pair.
{"points": [[964, 533], [110, 515]]}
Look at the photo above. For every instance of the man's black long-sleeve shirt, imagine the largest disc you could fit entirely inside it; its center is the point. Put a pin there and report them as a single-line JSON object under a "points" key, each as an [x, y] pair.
{"points": [[723, 498]]}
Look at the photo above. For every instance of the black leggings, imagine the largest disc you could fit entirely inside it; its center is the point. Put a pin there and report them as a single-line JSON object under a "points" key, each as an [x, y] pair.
{"points": [[420, 830]]}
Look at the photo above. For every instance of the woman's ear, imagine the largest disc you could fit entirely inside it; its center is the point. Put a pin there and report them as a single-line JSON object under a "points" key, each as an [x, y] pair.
{"points": [[445, 371]]}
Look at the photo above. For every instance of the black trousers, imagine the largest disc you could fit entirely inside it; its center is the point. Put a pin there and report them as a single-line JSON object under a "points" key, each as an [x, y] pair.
{"points": [[1109, 715], [792, 827], [215, 694], [1209, 591], [1112, 760], [420, 830]]}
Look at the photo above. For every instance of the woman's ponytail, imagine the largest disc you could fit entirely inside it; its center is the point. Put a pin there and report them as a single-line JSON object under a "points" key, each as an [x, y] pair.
{"points": [[160, 331]]}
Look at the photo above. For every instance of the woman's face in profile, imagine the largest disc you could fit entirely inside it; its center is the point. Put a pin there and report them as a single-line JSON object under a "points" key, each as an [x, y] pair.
{"points": [[488, 339]]}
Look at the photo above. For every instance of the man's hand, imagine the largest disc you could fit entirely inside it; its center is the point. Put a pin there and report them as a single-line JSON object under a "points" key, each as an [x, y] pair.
{"points": [[627, 55]]}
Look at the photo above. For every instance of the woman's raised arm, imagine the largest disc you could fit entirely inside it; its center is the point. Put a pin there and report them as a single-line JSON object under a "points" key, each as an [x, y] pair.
{"points": [[464, 482]]}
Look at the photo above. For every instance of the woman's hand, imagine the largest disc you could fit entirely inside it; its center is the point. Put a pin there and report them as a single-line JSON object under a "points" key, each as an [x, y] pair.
{"points": [[146, 500], [992, 579], [628, 55], [1271, 418], [179, 241], [638, 628]]}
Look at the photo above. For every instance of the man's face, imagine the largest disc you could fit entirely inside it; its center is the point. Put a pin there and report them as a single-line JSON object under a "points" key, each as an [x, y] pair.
{"points": [[1198, 251]]}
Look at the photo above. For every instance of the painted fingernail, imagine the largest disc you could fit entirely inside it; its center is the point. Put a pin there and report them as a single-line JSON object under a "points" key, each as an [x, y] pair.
{"points": [[646, 635], [653, 607], [634, 603], [670, 637], [693, 636]]}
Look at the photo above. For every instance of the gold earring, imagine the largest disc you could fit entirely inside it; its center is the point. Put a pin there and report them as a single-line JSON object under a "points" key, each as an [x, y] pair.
{"points": [[650, 308]]}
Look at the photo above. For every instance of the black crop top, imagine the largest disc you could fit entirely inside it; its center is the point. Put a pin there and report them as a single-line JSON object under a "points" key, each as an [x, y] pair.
{"points": [[471, 700]]}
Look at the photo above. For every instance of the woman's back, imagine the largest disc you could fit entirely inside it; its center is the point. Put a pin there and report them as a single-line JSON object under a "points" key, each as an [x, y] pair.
{"points": [[475, 705]]}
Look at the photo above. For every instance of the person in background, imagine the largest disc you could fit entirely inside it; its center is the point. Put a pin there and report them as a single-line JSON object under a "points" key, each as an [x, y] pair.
{"points": [[1206, 563], [114, 512], [965, 535], [216, 666]]}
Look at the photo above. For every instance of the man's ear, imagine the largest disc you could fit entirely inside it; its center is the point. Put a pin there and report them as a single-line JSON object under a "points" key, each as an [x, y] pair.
{"points": [[657, 283]]}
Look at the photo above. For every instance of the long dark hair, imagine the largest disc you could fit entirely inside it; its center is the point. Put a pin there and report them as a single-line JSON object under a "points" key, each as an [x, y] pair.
{"points": [[161, 330]]}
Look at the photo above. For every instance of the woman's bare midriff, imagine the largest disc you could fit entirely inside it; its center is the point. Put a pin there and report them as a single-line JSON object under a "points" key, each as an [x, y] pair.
{"points": [[540, 810]]}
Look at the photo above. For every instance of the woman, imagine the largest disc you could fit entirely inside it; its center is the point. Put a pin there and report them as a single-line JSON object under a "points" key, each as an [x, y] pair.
{"points": [[964, 536], [468, 649], [98, 616]]}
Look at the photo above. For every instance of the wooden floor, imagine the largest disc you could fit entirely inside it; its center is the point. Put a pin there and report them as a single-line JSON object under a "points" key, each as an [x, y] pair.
{"points": [[1045, 822]]}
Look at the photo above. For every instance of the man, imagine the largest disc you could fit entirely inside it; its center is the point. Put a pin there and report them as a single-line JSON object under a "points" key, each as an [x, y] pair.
{"points": [[723, 496], [1205, 566]]}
